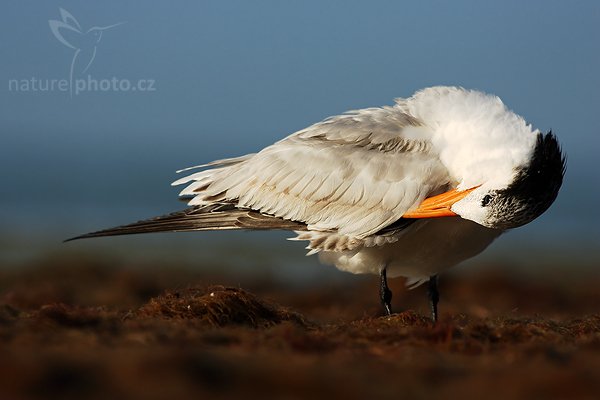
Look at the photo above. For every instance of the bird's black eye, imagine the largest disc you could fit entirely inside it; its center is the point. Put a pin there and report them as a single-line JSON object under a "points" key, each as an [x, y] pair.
{"points": [[486, 200]]}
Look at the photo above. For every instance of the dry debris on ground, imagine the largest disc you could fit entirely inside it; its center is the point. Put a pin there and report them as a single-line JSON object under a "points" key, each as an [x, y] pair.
{"points": [[94, 332]]}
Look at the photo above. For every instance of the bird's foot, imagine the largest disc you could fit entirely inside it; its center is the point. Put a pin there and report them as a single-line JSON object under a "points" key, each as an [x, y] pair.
{"points": [[434, 297], [385, 293]]}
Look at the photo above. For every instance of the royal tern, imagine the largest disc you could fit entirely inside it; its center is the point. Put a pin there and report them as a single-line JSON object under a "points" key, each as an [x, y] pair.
{"points": [[405, 190]]}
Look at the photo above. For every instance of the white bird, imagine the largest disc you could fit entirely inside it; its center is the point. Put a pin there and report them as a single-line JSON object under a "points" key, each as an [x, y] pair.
{"points": [[404, 190]]}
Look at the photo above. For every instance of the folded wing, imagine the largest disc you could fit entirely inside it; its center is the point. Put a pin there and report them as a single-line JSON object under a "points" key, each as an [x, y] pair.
{"points": [[354, 174]]}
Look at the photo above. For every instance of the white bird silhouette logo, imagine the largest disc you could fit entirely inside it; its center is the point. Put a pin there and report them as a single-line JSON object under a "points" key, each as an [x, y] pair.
{"points": [[69, 32]]}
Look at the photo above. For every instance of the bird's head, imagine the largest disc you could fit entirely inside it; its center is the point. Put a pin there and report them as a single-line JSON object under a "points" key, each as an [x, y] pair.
{"points": [[531, 191]]}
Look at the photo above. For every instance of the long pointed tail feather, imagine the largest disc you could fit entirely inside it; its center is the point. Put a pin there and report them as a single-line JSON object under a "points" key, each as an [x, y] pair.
{"points": [[200, 218]]}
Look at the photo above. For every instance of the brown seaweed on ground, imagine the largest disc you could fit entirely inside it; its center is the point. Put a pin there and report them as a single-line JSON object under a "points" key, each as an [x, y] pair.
{"points": [[219, 306]]}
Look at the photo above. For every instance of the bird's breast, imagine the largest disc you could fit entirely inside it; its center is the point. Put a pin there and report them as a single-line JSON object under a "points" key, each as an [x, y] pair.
{"points": [[424, 249]]}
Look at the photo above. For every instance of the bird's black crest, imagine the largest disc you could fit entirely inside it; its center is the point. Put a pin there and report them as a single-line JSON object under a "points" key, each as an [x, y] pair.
{"points": [[536, 186], [546, 171]]}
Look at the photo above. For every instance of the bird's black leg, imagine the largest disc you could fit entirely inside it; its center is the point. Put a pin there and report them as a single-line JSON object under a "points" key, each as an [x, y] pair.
{"points": [[434, 297], [385, 293]]}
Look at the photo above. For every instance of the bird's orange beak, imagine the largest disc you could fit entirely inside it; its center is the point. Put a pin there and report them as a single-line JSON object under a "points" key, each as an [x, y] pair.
{"points": [[439, 206]]}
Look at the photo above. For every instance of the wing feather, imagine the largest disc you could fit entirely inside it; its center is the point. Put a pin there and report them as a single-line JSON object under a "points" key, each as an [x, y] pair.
{"points": [[211, 217], [355, 173]]}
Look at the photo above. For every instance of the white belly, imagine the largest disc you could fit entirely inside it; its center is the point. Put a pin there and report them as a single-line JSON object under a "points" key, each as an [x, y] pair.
{"points": [[425, 248]]}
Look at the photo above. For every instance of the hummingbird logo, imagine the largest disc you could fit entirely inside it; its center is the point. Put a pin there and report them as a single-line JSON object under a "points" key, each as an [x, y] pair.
{"points": [[85, 43]]}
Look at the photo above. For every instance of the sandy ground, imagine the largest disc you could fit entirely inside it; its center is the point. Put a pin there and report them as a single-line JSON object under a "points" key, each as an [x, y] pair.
{"points": [[74, 329]]}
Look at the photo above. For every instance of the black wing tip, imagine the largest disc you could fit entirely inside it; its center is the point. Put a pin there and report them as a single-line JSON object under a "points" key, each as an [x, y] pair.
{"points": [[218, 216], [182, 220], [103, 233], [86, 236], [133, 228], [144, 226]]}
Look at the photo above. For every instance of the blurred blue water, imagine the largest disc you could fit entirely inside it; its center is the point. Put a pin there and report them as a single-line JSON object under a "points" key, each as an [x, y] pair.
{"points": [[232, 77]]}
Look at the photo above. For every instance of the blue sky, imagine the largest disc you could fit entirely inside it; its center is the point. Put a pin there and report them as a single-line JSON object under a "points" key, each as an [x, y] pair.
{"points": [[233, 76]]}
